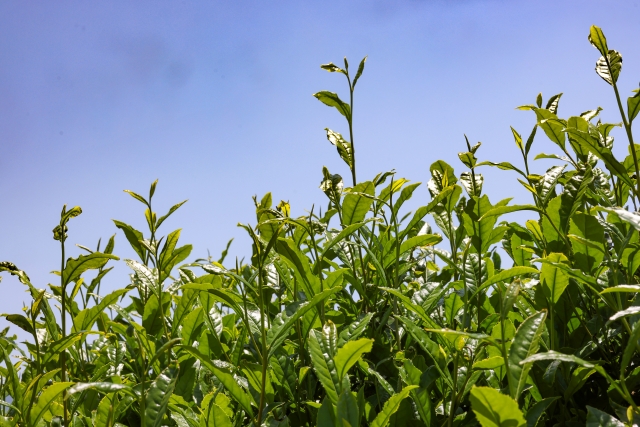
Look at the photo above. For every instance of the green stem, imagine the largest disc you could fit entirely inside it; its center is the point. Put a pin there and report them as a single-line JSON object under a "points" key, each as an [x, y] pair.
{"points": [[452, 409], [63, 355], [142, 381], [350, 120], [265, 356]]}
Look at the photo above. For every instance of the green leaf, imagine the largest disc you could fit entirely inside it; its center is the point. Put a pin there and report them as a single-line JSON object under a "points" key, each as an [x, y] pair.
{"points": [[183, 309], [68, 214], [133, 236], [501, 210], [349, 354], [546, 186], [172, 210], [12, 376], [355, 80], [322, 348], [326, 414], [76, 266], [347, 410], [216, 417], [517, 138], [532, 135], [622, 288], [391, 406], [494, 409], [525, 344], [424, 210], [587, 254], [45, 399], [102, 387], [625, 215], [355, 329], [431, 348], [552, 103], [332, 100], [165, 347], [283, 323], [158, 396], [420, 396], [356, 205], [332, 68], [481, 230], [299, 263], [537, 409], [57, 347], [344, 233], [20, 321], [468, 159], [630, 311], [502, 166], [490, 363], [552, 126], [597, 418], [87, 317], [225, 377], [503, 276], [598, 40], [344, 147], [609, 68], [554, 355], [553, 279], [579, 377], [383, 383], [410, 244], [405, 194], [592, 144], [519, 238], [633, 106]]}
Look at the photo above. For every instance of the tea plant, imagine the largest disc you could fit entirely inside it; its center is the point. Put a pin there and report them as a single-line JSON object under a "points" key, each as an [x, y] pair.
{"points": [[359, 314]]}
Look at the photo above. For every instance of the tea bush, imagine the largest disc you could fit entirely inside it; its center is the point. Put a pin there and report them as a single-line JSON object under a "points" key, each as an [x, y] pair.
{"points": [[361, 315]]}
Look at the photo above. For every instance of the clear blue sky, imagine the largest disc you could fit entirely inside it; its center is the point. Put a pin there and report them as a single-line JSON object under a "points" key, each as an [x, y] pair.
{"points": [[214, 99]]}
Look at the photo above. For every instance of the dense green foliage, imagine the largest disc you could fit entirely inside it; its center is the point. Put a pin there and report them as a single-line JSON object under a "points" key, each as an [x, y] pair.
{"points": [[361, 315]]}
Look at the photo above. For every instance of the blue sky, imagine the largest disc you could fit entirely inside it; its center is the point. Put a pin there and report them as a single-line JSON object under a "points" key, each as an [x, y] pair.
{"points": [[214, 99]]}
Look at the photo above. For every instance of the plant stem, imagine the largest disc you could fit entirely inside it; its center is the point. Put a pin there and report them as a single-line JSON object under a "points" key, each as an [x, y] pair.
{"points": [[353, 147], [63, 355], [265, 356]]}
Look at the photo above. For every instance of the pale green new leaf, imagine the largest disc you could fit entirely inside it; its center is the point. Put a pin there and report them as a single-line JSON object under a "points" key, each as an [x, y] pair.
{"points": [[216, 417], [46, 398], [501, 210], [357, 202], [598, 40], [494, 409], [76, 266], [332, 100], [348, 355]]}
